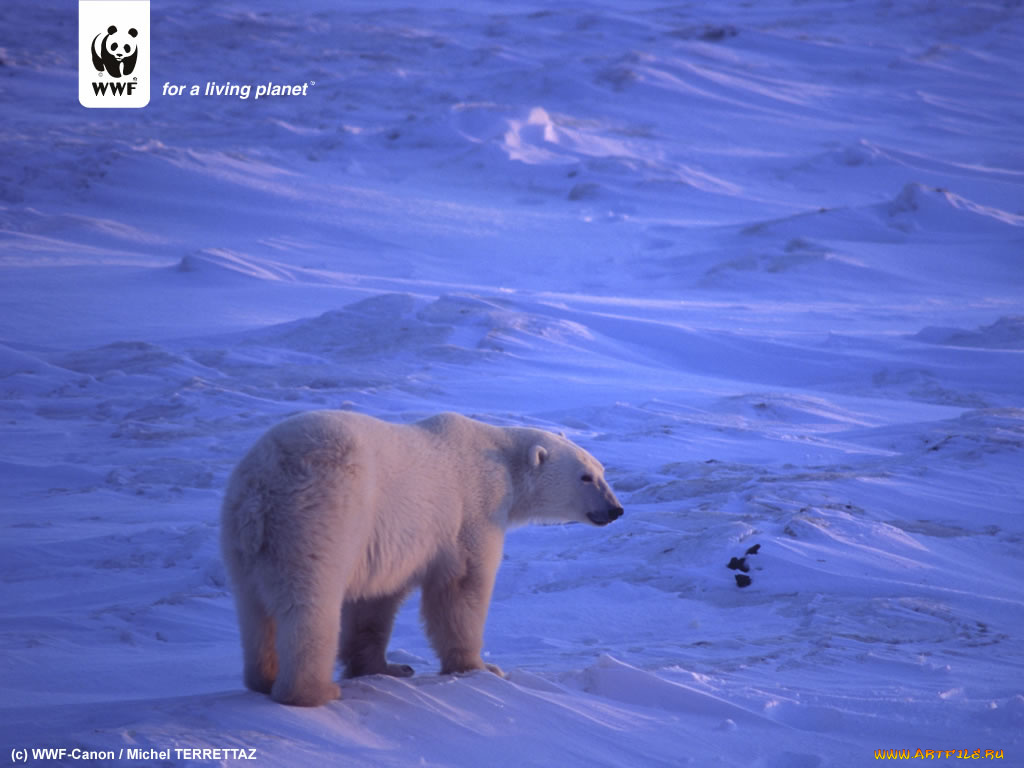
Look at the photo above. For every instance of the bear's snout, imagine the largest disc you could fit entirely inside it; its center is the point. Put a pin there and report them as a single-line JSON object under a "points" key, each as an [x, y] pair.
{"points": [[605, 517]]}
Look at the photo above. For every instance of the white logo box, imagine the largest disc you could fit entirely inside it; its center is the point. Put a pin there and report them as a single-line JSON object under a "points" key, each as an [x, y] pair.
{"points": [[113, 67]]}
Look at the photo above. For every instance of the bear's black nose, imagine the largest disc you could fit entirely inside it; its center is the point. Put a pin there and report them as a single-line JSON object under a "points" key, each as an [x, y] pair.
{"points": [[603, 518]]}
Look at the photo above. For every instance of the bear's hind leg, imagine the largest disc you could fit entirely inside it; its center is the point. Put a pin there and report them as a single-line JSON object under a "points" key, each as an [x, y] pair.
{"points": [[365, 631], [455, 603], [307, 646], [259, 656]]}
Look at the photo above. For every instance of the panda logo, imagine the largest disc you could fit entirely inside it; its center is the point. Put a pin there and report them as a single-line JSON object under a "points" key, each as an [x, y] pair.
{"points": [[116, 53]]}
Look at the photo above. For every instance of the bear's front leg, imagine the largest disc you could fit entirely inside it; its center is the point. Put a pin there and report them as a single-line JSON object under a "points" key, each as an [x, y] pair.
{"points": [[456, 596]]}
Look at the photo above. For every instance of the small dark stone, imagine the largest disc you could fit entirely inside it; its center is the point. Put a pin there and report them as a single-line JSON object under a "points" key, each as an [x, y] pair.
{"points": [[739, 564], [753, 550], [715, 33], [743, 580]]}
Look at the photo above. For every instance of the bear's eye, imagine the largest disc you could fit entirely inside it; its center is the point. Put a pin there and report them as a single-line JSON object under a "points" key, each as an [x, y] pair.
{"points": [[127, 49], [113, 46], [587, 478]]}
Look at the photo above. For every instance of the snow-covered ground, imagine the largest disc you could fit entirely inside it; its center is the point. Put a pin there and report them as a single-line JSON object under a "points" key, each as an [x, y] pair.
{"points": [[765, 260]]}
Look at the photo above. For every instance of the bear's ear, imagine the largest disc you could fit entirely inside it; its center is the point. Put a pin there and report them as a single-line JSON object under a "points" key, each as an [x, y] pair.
{"points": [[111, 29], [133, 32], [538, 455]]}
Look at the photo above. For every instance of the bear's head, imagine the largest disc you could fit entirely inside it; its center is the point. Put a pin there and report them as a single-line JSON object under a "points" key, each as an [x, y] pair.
{"points": [[120, 45], [565, 484]]}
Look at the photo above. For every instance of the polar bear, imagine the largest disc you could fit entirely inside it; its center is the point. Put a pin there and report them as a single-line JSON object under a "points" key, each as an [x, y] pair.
{"points": [[337, 514]]}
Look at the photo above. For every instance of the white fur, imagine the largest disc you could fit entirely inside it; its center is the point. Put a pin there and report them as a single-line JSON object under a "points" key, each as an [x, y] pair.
{"points": [[335, 513]]}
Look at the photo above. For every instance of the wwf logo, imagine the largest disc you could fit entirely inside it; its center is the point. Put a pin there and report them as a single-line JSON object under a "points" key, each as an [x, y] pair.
{"points": [[115, 52]]}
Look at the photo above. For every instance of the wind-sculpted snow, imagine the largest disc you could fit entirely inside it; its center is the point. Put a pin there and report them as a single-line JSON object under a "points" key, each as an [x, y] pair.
{"points": [[762, 260]]}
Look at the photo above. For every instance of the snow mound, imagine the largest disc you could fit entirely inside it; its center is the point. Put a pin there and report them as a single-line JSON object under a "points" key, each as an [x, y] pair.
{"points": [[503, 326], [14, 363], [1004, 333], [217, 264], [540, 139], [919, 207], [786, 408], [379, 326], [859, 153], [459, 327], [799, 257], [123, 357], [926, 212]]}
